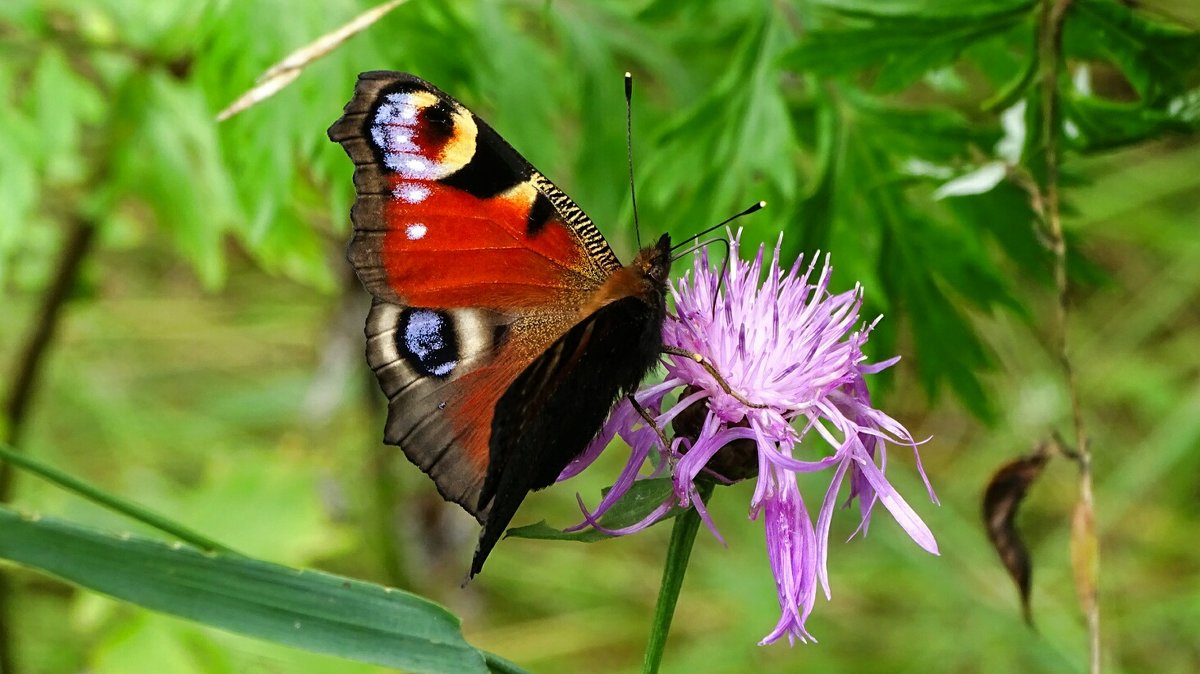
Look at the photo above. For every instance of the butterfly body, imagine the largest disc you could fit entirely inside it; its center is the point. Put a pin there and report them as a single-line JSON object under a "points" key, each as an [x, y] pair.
{"points": [[503, 327]]}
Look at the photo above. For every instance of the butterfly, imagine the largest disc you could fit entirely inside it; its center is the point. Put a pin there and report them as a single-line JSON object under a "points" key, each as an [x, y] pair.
{"points": [[502, 328]]}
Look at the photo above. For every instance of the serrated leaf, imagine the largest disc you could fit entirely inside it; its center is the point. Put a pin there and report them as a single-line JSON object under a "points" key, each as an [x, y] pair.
{"points": [[916, 274], [306, 609], [641, 499], [165, 156], [62, 102], [1093, 124], [1001, 501], [1011, 92], [933, 134], [903, 47], [816, 209], [1006, 215], [1160, 60]]}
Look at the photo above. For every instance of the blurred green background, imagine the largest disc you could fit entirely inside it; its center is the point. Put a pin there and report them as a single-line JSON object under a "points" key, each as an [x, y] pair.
{"points": [[207, 360]]}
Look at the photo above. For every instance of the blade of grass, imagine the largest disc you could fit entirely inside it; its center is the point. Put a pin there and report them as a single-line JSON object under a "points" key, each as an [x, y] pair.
{"points": [[305, 609]]}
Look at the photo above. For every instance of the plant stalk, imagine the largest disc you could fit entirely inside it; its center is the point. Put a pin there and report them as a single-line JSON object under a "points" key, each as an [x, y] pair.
{"points": [[1053, 14], [679, 551], [24, 380]]}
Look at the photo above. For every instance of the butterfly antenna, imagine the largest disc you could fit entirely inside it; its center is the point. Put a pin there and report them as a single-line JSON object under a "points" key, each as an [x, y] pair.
{"points": [[692, 246], [691, 239], [724, 265], [637, 229]]}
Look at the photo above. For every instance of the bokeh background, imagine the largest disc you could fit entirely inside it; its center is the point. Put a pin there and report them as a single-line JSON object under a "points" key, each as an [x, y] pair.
{"points": [[206, 357]]}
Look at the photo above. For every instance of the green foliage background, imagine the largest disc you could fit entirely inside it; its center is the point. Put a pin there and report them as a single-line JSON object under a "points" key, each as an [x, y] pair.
{"points": [[208, 363]]}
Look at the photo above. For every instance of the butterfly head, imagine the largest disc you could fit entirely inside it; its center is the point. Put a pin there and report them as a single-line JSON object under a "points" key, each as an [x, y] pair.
{"points": [[655, 261]]}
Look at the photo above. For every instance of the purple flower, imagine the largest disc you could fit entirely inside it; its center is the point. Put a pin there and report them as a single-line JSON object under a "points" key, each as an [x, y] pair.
{"points": [[790, 366]]}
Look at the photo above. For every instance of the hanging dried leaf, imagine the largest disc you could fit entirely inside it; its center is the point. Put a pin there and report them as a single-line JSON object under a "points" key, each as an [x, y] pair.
{"points": [[1084, 557], [283, 73], [1001, 501]]}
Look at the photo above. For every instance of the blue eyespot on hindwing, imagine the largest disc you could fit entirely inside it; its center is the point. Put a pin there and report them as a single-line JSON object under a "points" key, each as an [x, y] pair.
{"points": [[427, 340]]}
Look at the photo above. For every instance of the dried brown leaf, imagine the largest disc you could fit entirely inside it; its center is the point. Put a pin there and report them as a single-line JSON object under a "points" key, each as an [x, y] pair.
{"points": [[1084, 558], [283, 73], [1001, 500]]}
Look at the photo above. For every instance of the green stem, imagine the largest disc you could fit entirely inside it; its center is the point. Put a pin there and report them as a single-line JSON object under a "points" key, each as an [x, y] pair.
{"points": [[683, 535], [109, 501]]}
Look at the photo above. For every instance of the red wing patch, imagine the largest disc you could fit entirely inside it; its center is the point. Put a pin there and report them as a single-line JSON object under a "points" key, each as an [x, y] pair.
{"points": [[444, 247], [449, 215]]}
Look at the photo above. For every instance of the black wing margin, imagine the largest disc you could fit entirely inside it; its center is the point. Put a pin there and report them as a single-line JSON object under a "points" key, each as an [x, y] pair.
{"points": [[558, 404]]}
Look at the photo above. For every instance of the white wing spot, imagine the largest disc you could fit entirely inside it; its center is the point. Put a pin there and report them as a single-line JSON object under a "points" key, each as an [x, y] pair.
{"points": [[412, 193], [392, 132], [416, 231]]}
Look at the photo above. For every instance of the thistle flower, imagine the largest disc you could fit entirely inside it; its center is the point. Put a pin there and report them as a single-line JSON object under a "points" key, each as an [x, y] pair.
{"points": [[783, 368]]}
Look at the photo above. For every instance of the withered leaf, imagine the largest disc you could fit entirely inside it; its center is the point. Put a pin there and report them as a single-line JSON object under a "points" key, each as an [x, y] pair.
{"points": [[1001, 501]]}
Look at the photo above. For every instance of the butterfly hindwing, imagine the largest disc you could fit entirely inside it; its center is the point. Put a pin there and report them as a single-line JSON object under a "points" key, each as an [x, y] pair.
{"points": [[423, 358]]}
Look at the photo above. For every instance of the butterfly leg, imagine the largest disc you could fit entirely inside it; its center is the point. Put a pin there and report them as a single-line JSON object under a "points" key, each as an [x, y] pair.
{"points": [[649, 421], [708, 367]]}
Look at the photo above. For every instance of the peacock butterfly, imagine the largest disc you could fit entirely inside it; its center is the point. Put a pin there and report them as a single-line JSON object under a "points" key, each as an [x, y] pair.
{"points": [[503, 328]]}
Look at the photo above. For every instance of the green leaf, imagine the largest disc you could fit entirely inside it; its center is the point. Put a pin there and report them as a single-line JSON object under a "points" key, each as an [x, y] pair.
{"points": [[902, 47], [641, 499], [966, 10], [918, 278], [1160, 60], [166, 156], [306, 609], [1097, 124], [934, 134], [816, 209]]}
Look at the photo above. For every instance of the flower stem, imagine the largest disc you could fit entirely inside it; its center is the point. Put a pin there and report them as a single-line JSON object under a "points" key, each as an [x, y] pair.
{"points": [[683, 535]]}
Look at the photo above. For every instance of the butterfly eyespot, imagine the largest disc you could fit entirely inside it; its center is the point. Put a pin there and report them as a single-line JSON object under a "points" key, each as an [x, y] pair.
{"points": [[427, 340]]}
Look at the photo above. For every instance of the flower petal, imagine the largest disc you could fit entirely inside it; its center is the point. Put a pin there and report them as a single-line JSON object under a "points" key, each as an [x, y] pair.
{"points": [[891, 499]]}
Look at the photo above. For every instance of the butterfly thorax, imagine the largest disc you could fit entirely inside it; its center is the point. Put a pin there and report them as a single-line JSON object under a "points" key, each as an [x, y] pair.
{"points": [[644, 278]]}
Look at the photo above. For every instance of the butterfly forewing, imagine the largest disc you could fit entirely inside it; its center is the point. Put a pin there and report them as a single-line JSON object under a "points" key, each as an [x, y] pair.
{"points": [[448, 214]]}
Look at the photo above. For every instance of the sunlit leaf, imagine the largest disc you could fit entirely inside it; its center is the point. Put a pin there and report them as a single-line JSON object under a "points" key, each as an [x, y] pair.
{"points": [[978, 181]]}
